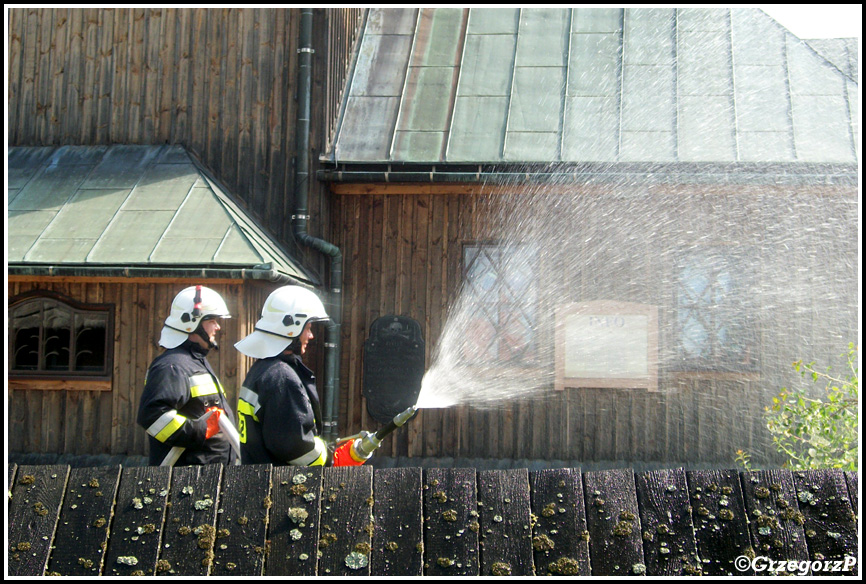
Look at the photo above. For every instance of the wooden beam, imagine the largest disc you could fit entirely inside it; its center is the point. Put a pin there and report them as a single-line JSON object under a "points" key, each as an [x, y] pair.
{"points": [[60, 384], [615, 185]]}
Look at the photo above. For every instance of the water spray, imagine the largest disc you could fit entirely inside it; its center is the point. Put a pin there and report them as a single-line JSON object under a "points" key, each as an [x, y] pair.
{"points": [[356, 450]]}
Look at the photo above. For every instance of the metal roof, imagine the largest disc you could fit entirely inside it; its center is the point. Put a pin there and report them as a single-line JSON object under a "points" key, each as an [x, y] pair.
{"points": [[128, 210], [653, 85]]}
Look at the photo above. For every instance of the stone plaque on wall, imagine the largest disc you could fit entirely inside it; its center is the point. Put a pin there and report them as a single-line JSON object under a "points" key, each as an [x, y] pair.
{"points": [[605, 343]]}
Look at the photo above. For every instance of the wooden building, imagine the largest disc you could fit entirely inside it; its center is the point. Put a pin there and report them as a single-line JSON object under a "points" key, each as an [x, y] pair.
{"points": [[182, 121], [698, 164], [679, 134]]}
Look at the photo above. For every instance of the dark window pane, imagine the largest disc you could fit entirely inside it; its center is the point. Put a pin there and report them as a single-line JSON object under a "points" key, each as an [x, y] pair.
{"points": [[90, 333], [56, 337], [25, 350], [24, 325]]}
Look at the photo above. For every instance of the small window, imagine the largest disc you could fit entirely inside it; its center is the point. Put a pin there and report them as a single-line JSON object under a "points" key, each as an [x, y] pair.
{"points": [[715, 311], [52, 336], [500, 287]]}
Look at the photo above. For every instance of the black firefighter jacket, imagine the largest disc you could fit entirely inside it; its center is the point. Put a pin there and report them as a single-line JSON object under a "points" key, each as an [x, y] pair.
{"points": [[279, 414], [179, 387]]}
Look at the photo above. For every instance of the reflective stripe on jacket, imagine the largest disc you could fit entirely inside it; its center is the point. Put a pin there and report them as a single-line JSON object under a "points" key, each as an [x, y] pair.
{"points": [[279, 414], [179, 387]]}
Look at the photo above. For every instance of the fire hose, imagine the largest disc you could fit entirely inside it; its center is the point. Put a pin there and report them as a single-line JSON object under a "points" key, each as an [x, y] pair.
{"points": [[357, 449]]}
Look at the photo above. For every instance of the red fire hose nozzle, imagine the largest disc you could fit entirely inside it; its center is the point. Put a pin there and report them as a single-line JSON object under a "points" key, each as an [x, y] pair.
{"points": [[356, 450]]}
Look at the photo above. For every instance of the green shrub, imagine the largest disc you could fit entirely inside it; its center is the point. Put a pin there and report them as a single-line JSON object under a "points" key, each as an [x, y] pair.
{"points": [[816, 432]]}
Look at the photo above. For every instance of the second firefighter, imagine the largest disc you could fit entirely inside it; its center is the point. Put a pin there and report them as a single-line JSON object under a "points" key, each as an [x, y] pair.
{"points": [[279, 415]]}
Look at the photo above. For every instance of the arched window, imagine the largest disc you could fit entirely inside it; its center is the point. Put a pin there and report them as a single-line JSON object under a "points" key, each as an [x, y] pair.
{"points": [[51, 335]]}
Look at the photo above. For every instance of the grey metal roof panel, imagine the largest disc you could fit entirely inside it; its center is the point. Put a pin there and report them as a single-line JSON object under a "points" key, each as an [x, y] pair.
{"points": [[705, 128], [478, 130], [533, 107], [122, 166], [593, 64], [596, 20], [487, 65], [482, 82], [493, 21], [841, 53], [440, 47], [391, 21], [531, 146], [591, 129], [49, 188], [819, 132], [366, 128], [419, 145], [22, 164], [426, 105], [149, 209], [811, 76], [542, 39], [649, 35]]}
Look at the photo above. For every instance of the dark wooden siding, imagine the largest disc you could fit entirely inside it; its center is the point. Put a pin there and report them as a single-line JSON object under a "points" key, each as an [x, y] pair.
{"points": [[220, 81], [403, 256], [82, 421]]}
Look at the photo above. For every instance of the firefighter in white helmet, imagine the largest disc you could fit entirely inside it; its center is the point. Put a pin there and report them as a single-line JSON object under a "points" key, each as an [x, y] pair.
{"points": [[183, 400], [279, 415]]}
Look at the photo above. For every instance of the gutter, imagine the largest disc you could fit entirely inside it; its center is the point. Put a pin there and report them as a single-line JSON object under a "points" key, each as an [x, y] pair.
{"points": [[264, 272], [299, 225], [830, 174]]}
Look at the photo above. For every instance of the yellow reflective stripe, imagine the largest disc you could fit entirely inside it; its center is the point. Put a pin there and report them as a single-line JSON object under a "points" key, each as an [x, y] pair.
{"points": [[242, 428], [320, 461], [201, 385], [247, 408], [315, 457], [248, 402], [166, 425]]}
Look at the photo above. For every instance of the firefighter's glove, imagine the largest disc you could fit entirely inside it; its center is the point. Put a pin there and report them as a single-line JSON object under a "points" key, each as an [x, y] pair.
{"points": [[213, 423]]}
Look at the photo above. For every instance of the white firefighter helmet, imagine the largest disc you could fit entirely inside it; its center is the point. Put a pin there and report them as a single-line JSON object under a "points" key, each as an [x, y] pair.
{"points": [[188, 309], [285, 314]]}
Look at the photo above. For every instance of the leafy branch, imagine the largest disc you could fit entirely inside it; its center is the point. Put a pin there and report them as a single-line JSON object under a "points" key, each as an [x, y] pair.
{"points": [[816, 432]]}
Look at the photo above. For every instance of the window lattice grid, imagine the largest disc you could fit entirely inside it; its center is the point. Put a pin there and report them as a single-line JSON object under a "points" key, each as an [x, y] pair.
{"points": [[500, 284], [50, 337], [715, 315]]}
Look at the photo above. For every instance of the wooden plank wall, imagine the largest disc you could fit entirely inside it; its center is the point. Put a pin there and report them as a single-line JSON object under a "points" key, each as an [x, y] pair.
{"points": [[358, 521], [82, 421], [220, 81], [403, 255]]}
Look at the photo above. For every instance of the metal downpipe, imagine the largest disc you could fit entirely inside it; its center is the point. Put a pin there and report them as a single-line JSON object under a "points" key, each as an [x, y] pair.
{"points": [[299, 225]]}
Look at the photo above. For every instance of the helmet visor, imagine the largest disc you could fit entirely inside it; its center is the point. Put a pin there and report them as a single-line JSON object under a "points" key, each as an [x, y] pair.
{"points": [[261, 345]]}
